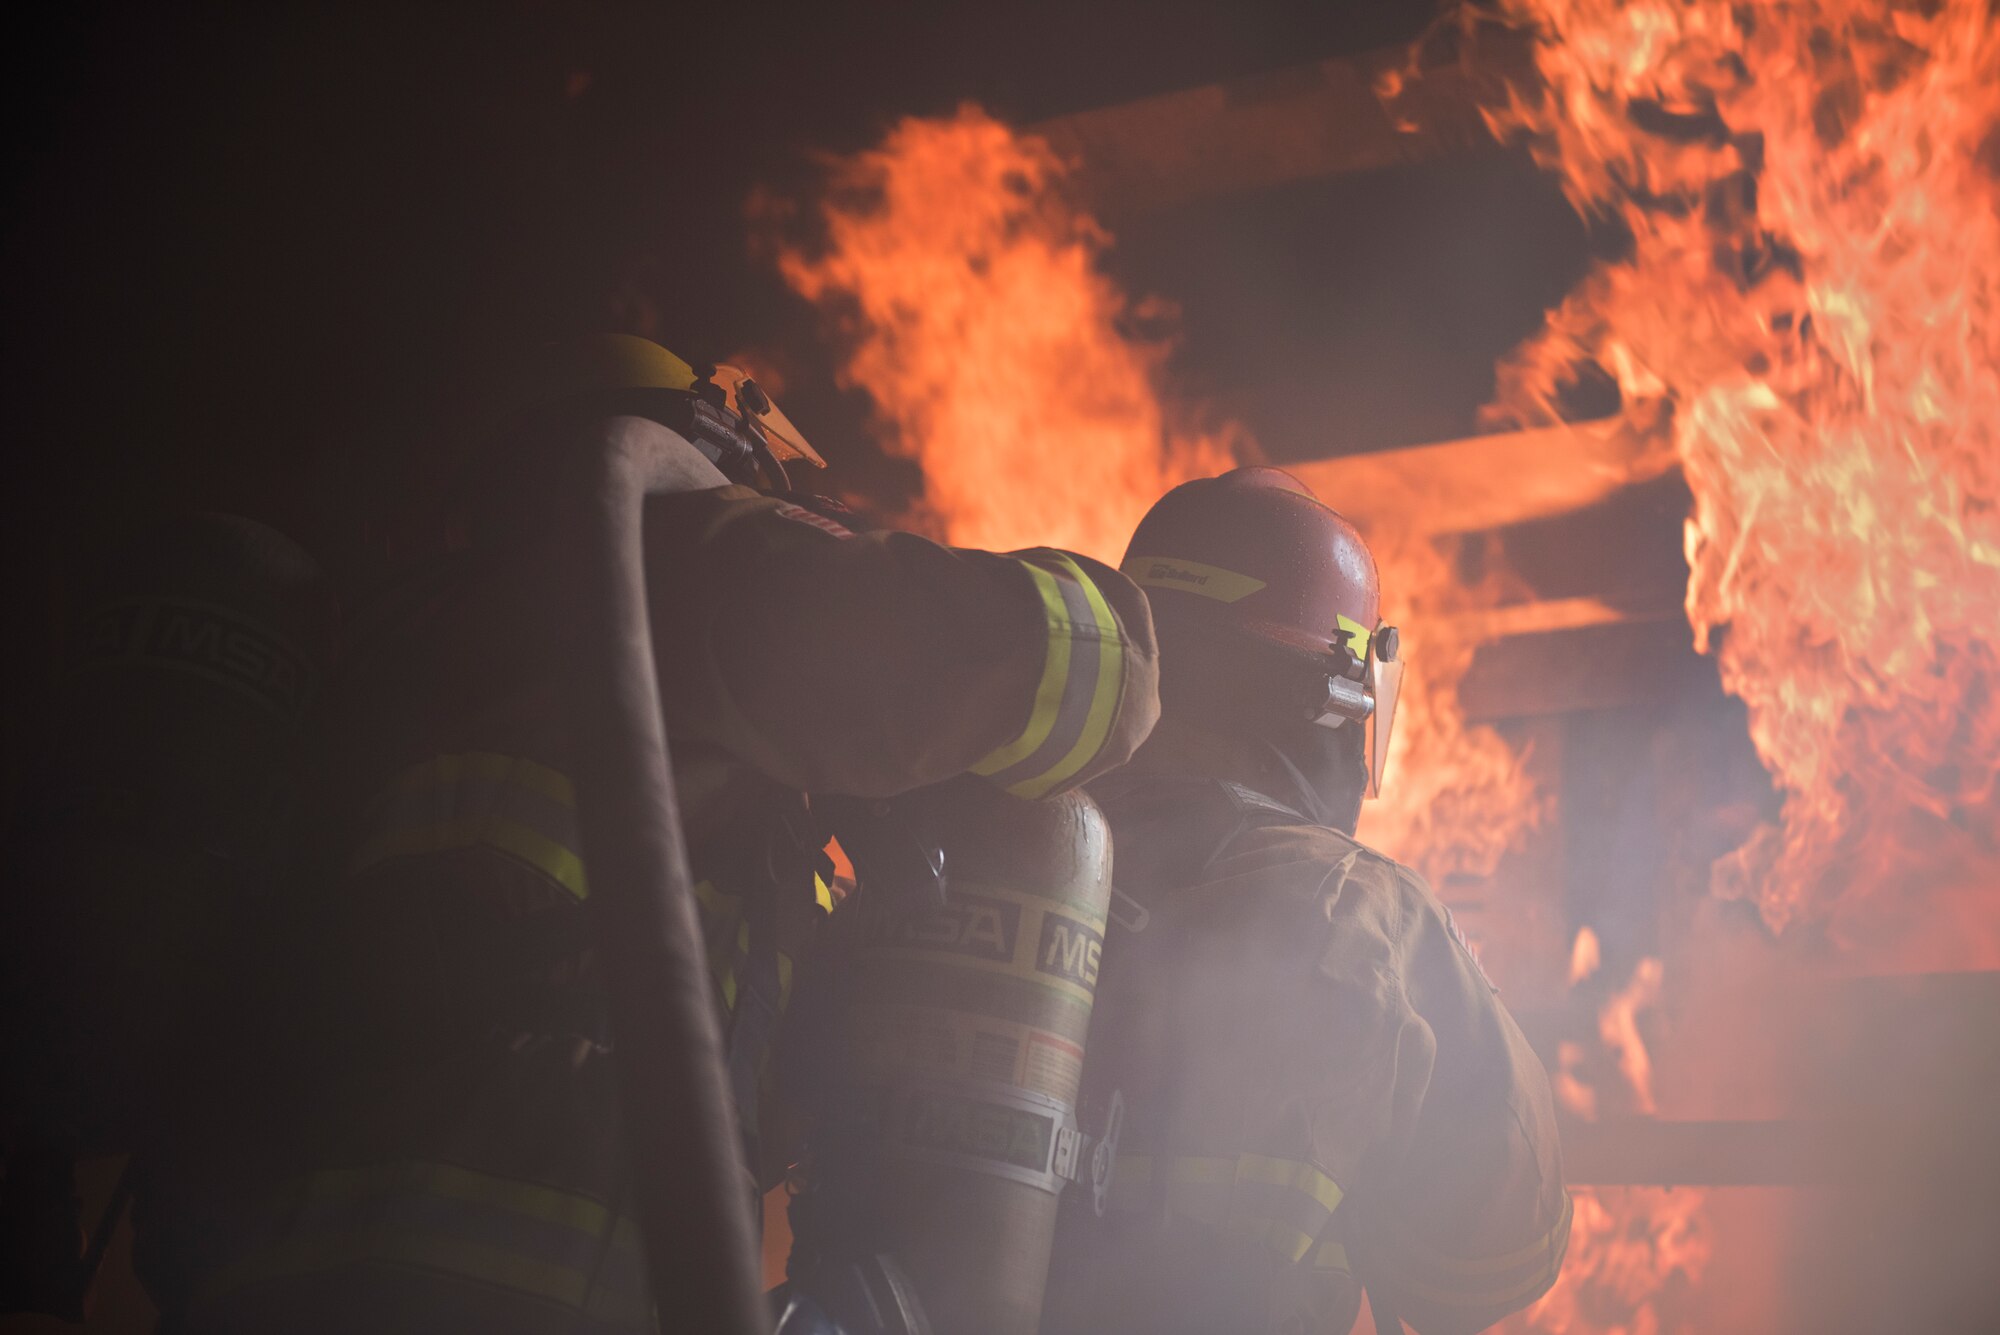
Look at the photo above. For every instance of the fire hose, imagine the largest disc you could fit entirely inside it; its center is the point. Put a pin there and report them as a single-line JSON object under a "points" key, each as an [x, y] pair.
{"points": [[691, 1186]]}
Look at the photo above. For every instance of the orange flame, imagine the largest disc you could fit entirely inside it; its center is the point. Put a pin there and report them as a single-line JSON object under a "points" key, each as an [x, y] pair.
{"points": [[997, 356], [1626, 1245], [1813, 289], [1585, 957], [1618, 1026], [1458, 797], [991, 343]]}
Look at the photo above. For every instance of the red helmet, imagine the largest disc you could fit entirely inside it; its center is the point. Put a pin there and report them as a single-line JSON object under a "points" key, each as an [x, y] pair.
{"points": [[1254, 553]]}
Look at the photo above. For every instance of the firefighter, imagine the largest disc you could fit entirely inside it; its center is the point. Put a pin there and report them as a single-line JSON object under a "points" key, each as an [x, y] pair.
{"points": [[1322, 1089], [144, 867], [457, 1167]]}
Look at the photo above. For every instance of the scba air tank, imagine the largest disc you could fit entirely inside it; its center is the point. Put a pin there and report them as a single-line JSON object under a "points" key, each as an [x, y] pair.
{"points": [[962, 1039]]}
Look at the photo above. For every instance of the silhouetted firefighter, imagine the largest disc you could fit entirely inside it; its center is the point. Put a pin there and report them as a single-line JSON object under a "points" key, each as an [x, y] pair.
{"points": [[1322, 1089], [516, 929]]}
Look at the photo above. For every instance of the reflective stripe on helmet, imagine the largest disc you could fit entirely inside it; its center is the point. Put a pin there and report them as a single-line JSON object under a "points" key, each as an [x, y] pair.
{"points": [[1284, 1203], [444, 1220], [477, 800], [1083, 678], [1169, 572]]}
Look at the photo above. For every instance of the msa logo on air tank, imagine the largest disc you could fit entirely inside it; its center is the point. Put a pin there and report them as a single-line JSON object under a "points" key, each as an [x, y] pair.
{"points": [[955, 1124], [984, 927], [969, 925], [1070, 950], [208, 641]]}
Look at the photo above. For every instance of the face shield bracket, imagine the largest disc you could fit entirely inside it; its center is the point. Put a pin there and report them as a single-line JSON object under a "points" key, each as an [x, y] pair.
{"points": [[1364, 691]]}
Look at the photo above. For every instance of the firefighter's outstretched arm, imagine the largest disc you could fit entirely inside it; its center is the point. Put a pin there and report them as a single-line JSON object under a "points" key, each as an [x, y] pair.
{"points": [[875, 663]]}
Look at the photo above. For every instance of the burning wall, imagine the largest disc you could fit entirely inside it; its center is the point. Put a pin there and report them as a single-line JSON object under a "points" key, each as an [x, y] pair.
{"points": [[1812, 290], [1807, 296]]}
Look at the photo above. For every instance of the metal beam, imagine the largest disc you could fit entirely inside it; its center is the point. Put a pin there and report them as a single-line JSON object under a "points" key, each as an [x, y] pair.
{"points": [[1312, 120]]}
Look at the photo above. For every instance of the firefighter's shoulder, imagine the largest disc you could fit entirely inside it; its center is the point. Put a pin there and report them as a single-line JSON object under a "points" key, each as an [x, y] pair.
{"points": [[1422, 922], [1338, 864]]}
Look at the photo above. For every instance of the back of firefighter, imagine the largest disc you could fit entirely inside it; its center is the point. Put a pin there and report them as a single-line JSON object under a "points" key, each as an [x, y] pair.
{"points": [[461, 1169], [1323, 1091]]}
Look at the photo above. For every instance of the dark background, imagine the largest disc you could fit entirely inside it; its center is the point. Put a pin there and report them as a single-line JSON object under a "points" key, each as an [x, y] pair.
{"points": [[251, 250], [248, 246]]}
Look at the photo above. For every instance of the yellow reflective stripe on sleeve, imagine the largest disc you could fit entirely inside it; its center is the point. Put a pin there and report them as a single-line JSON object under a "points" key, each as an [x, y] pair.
{"points": [[444, 1221], [1049, 693], [1108, 689], [477, 799], [1083, 681], [822, 893], [545, 855], [713, 900], [725, 972], [451, 1182]]}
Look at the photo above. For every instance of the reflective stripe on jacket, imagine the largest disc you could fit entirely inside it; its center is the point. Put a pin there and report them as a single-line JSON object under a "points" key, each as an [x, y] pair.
{"points": [[1081, 688], [455, 1227], [1285, 1204]]}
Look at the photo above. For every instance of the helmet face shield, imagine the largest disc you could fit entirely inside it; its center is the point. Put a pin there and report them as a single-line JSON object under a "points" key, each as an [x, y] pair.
{"points": [[1369, 703], [785, 441], [1385, 681]]}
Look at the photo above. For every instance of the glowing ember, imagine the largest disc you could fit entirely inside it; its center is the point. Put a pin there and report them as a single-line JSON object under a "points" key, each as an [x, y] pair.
{"points": [[990, 342], [1813, 291]]}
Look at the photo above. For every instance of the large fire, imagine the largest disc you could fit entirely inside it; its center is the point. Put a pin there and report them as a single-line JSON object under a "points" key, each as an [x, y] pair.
{"points": [[999, 356], [992, 345], [1812, 288], [1811, 298]]}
